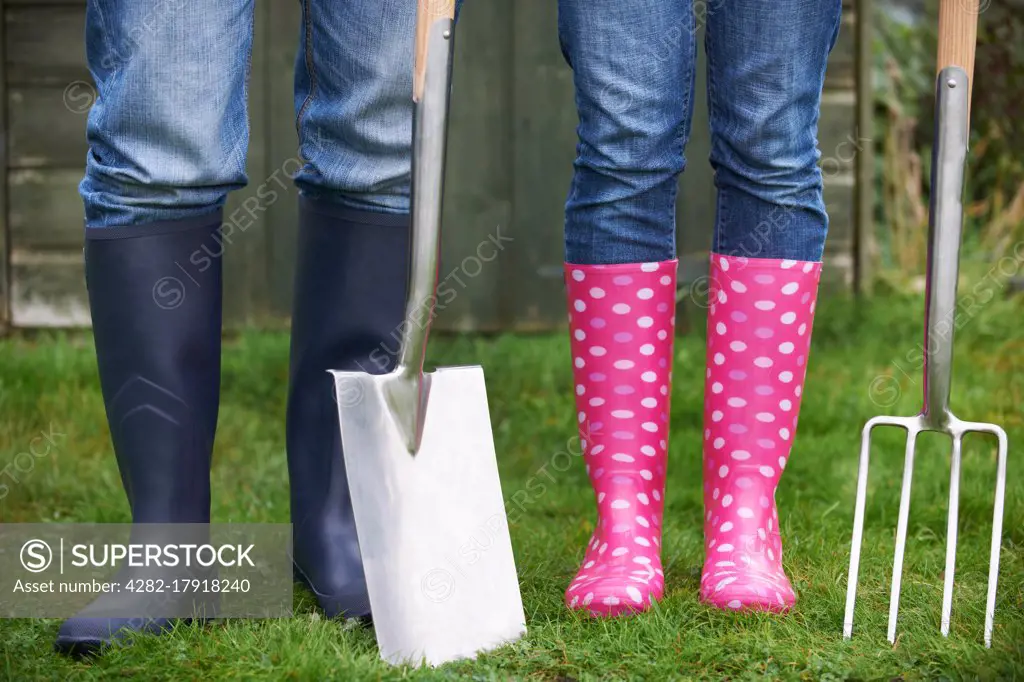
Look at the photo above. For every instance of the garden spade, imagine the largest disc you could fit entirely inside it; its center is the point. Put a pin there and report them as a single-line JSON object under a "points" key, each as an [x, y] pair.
{"points": [[958, 21], [419, 453]]}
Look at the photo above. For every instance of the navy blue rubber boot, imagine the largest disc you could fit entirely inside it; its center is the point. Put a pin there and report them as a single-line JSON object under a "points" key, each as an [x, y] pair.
{"points": [[350, 288], [155, 297]]}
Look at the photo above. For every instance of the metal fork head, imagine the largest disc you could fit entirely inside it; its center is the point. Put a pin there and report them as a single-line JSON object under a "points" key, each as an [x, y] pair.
{"points": [[955, 429], [949, 154]]}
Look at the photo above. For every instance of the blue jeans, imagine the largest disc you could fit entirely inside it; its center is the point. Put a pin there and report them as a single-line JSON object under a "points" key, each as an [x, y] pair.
{"points": [[633, 64], [169, 131]]}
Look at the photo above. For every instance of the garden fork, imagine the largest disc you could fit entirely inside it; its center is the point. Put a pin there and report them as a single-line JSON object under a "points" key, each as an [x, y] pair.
{"points": [[957, 31]]}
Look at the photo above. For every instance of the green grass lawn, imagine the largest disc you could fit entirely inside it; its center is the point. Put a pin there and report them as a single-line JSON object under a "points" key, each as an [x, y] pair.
{"points": [[51, 380]]}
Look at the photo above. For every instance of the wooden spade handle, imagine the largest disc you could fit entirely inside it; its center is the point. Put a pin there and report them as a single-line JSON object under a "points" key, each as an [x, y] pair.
{"points": [[427, 13], [958, 35]]}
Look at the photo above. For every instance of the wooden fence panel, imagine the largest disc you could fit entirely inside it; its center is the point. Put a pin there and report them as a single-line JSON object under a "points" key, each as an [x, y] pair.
{"points": [[246, 225], [5, 313], [511, 146], [47, 98], [478, 189], [695, 207], [544, 147], [282, 145]]}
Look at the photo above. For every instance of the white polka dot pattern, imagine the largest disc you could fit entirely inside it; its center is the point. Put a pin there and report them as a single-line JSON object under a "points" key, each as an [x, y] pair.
{"points": [[626, 352], [757, 345]]}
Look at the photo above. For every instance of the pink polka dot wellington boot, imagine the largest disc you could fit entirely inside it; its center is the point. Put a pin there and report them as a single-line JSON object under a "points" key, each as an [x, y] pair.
{"points": [[621, 319], [759, 332]]}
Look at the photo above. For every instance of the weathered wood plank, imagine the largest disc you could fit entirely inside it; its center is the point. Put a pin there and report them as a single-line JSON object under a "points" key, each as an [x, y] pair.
{"points": [[695, 207], [43, 130], [477, 204], [282, 156], [838, 194], [863, 215], [841, 69], [5, 313], [45, 210], [48, 290], [544, 146], [837, 271], [838, 137], [45, 45], [245, 214]]}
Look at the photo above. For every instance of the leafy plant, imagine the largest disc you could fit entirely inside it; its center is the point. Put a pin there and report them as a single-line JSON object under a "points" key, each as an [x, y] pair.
{"points": [[904, 68]]}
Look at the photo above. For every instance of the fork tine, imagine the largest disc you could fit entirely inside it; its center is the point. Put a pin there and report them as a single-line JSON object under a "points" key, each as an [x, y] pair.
{"points": [[952, 521], [997, 532], [858, 528], [901, 533]]}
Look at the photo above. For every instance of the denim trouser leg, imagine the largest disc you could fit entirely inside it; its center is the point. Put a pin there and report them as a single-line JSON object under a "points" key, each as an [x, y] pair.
{"points": [[633, 69], [168, 132], [632, 64], [766, 69], [353, 102]]}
